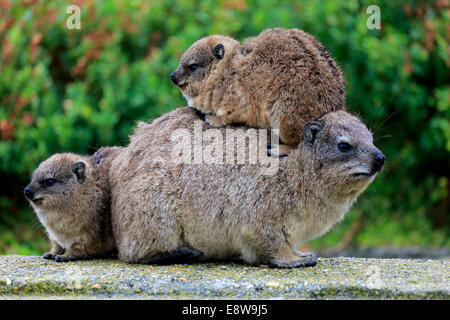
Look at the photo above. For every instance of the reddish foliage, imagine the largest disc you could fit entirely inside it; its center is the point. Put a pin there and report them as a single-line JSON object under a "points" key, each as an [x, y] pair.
{"points": [[7, 23], [43, 21], [430, 34], [98, 39], [155, 37], [407, 63], [447, 36], [34, 45], [5, 4], [7, 50], [28, 2], [78, 2], [407, 10], [128, 25], [27, 119], [442, 4], [238, 5], [6, 129]]}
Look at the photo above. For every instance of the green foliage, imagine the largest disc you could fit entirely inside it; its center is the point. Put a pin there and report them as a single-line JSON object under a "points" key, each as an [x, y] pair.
{"points": [[76, 90]]}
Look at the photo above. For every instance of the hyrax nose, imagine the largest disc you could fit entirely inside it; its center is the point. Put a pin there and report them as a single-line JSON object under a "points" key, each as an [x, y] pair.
{"points": [[173, 78], [28, 192], [379, 161]]}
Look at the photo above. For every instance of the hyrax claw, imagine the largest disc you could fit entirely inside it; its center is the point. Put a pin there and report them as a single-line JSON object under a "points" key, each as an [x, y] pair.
{"points": [[48, 256]]}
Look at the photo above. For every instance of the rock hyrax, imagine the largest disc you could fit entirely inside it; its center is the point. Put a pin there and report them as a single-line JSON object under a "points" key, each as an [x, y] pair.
{"points": [[280, 79], [227, 210], [71, 197]]}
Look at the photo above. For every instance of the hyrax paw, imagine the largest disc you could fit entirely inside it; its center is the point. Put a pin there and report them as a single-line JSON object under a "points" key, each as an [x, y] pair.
{"points": [[306, 254], [180, 255], [58, 258], [278, 151], [48, 256], [62, 258], [189, 254], [213, 121], [209, 121], [297, 263]]}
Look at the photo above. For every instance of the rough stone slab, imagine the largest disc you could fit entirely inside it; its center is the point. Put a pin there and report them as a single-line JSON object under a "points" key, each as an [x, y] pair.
{"points": [[332, 278]]}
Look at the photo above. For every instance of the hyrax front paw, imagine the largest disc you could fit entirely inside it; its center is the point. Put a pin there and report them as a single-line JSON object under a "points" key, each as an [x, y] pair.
{"points": [[297, 263], [66, 258], [48, 256], [278, 150], [294, 259], [215, 121], [309, 256]]}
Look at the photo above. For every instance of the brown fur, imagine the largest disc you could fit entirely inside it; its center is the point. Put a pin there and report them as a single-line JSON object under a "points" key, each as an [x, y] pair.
{"points": [[229, 210], [75, 210], [280, 79]]}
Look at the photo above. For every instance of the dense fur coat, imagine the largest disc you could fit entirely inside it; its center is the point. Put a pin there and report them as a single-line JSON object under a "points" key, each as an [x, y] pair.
{"points": [[71, 197], [233, 210], [280, 79]]}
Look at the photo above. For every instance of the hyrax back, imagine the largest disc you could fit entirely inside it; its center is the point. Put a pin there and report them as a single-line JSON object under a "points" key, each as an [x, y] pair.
{"points": [[71, 197], [160, 203], [280, 79]]}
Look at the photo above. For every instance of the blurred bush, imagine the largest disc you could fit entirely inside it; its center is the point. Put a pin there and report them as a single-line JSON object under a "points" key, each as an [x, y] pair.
{"points": [[76, 90]]}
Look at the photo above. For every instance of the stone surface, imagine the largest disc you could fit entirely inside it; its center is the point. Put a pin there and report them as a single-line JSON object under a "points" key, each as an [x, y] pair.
{"points": [[389, 252], [332, 278]]}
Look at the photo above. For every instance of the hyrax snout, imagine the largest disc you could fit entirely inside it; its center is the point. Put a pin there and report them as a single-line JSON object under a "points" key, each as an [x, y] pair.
{"points": [[71, 197], [280, 79], [231, 209]]}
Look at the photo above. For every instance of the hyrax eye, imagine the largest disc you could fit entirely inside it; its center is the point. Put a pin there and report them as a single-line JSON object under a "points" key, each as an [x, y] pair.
{"points": [[344, 147], [193, 67], [49, 182]]}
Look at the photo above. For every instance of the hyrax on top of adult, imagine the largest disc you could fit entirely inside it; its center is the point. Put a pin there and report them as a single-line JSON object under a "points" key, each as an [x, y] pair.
{"points": [[280, 79]]}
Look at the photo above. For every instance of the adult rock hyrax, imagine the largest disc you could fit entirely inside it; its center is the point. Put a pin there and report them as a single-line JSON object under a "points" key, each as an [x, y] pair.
{"points": [[280, 79], [228, 210], [71, 197]]}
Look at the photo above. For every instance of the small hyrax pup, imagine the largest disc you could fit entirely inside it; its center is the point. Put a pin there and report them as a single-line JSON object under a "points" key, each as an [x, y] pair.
{"points": [[71, 197], [280, 79], [160, 204]]}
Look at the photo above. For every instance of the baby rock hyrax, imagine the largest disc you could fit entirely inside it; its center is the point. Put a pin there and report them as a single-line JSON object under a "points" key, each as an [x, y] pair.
{"points": [[71, 197], [280, 79], [232, 210]]}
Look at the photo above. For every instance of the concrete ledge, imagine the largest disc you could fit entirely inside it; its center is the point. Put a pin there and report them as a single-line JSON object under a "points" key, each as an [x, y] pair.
{"points": [[332, 278]]}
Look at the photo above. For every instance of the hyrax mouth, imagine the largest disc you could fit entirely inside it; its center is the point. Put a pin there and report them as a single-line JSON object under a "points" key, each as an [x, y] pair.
{"points": [[37, 200], [363, 174], [182, 85], [31, 196]]}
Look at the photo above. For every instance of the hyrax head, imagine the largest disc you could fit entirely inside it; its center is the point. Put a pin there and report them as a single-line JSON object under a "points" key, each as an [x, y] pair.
{"points": [[345, 157], [56, 180], [197, 63]]}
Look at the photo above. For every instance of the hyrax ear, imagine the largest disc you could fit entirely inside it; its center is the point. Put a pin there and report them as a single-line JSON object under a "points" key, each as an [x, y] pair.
{"points": [[79, 169], [311, 131], [218, 51]]}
